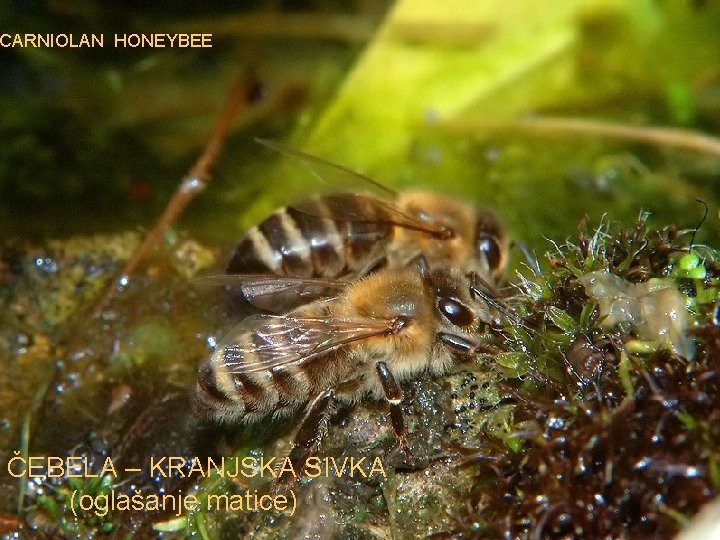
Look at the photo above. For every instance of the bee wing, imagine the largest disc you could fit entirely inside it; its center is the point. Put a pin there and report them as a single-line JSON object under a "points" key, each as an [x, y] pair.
{"points": [[328, 172], [361, 208], [266, 342], [364, 208], [277, 294]]}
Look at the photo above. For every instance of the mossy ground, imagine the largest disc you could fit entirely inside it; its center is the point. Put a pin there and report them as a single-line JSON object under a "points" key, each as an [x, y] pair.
{"points": [[575, 429]]}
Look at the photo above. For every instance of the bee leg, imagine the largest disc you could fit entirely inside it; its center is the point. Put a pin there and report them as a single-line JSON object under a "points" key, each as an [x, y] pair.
{"points": [[312, 430], [394, 396], [465, 346]]}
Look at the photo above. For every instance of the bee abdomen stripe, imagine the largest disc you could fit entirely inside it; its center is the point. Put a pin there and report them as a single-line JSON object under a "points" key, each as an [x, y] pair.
{"points": [[206, 382], [253, 255], [326, 247], [289, 390], [286, 242], [321, 371], [252, 393]]}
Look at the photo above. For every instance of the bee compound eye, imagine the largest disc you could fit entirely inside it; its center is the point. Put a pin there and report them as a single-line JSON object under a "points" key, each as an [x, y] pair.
{"points": [[455, 311], [488, 245]]}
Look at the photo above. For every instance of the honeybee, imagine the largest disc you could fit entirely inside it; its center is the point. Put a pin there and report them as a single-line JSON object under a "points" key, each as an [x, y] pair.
{"points": [[365, 293], [352, 234], [380, 330]]}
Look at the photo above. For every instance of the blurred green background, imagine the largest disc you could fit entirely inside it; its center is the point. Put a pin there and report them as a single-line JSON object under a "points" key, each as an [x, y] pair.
{"points": [[416, 94]]}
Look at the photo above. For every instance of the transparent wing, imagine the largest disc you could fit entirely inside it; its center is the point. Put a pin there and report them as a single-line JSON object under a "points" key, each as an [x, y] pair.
{"points": [[328, 172], [352, 206], [265, 342], [277, 294], [361, 208]]}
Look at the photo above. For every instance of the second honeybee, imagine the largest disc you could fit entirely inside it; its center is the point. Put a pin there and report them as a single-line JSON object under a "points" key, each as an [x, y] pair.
{"points": [[354, 233]]}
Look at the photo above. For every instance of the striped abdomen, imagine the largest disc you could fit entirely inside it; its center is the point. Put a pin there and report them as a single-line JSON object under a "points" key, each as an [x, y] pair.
{"points": [[227, 394], [313, 240]]}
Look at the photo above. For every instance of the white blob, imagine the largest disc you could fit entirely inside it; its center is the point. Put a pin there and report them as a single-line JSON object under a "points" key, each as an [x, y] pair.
{"points": [[655, 309]]}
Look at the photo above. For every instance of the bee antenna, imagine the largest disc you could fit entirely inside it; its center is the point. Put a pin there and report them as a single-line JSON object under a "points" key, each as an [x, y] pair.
{"points": [[697, 228]]}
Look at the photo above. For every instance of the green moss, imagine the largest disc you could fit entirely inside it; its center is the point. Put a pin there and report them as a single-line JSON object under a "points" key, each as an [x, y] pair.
{"points": [[607, 405]]}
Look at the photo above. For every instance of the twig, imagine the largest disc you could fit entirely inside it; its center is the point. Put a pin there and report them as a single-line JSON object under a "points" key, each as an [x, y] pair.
{"points": [[192, 183], [26, 432], [661, 136]]}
